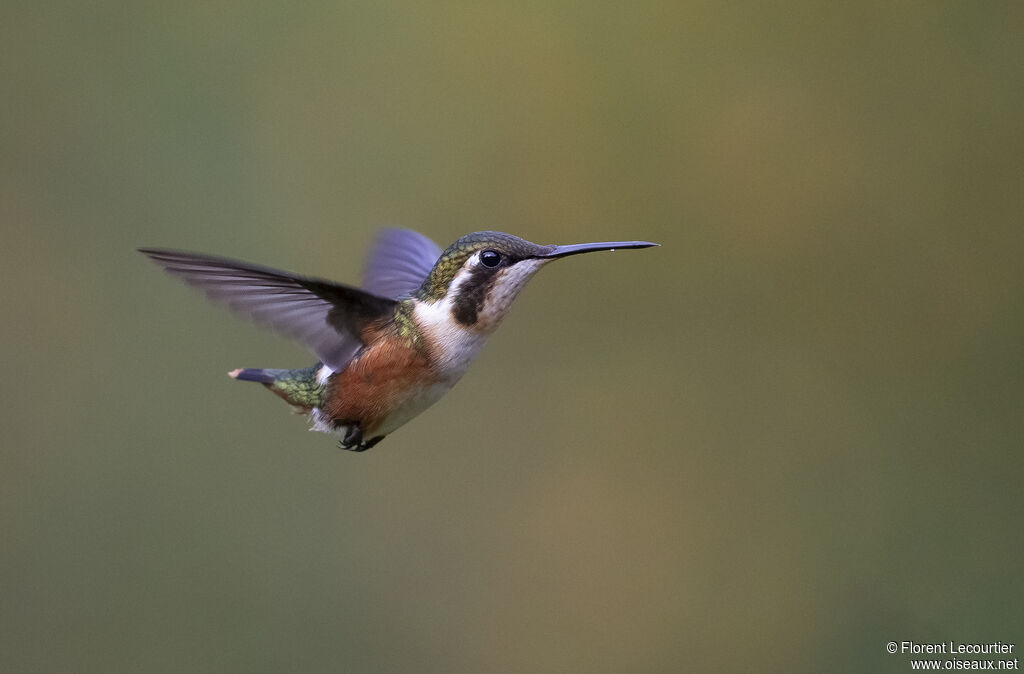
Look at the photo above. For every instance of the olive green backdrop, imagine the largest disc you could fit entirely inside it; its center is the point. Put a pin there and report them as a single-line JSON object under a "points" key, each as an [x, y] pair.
{"points": [[786, 437]]}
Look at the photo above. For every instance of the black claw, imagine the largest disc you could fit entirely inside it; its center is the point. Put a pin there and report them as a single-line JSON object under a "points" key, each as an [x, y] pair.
{"points": [[353, 437], [353, 440], [353, 443]]}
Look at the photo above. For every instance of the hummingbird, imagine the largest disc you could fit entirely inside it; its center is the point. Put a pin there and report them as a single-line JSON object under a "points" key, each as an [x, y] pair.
{"points": [[388, 350]]}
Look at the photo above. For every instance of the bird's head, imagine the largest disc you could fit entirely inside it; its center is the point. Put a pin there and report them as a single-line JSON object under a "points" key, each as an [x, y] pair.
{"points": [[480, 275]]}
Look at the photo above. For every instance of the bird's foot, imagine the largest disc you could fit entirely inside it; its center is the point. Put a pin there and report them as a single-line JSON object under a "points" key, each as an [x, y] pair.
{"points": [[353, 440]]}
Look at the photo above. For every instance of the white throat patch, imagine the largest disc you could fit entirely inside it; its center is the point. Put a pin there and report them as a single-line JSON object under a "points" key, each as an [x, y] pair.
{"points": [[507, 285]]}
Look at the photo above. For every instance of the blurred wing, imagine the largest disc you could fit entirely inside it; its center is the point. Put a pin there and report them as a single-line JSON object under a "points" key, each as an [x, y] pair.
{"points": [[326, 317], [399, 261]]}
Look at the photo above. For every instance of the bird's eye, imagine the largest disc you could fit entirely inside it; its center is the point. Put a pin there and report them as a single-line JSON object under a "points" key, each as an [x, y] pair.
{"points": [[490, 258]]}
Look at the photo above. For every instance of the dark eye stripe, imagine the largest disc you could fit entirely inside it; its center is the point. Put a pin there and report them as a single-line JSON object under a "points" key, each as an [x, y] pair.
{"points": [[473, 293]]}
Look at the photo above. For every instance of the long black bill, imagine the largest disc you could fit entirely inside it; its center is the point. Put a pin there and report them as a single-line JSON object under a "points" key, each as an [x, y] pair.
{"points": [[577, 248]]}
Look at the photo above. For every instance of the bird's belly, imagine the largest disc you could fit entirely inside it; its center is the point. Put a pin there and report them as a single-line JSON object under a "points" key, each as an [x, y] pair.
{"points": [[411, 406], [384, 388], [378, 415]]}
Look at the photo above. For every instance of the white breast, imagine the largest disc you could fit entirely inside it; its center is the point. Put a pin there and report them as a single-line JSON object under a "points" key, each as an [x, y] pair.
{"points": [[454, 345]]}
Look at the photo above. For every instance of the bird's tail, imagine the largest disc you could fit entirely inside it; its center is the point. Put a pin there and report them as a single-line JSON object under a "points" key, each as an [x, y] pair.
{"points": [[257, 374], [299, 388]]}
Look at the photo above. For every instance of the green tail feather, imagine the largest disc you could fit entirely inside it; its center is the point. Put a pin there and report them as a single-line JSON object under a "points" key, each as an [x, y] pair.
{"points": [[298, 387]]}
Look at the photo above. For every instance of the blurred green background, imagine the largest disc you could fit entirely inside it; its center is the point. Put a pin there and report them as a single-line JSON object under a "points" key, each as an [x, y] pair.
{"points": [[789, 435]]}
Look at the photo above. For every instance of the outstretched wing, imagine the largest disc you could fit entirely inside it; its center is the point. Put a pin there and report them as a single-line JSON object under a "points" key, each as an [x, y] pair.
{"points": [[327, 317], [398, 262]]}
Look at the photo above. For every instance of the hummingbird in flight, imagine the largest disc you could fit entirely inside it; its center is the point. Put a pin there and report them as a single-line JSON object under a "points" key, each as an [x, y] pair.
{"points": [[388, 350]]}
